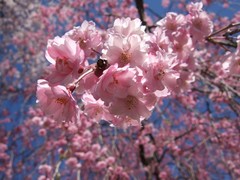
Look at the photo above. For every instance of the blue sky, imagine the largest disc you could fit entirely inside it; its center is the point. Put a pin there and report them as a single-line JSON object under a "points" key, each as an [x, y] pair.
{"points": [[215, 7]]}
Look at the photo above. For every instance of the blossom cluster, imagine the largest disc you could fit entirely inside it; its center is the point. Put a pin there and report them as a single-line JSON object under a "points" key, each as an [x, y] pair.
{"points": [[135, 69], [232, 62]]}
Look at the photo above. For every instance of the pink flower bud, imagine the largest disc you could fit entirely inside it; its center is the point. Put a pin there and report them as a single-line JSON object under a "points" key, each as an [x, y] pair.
{"points": [[42, 132], [72, 162]]}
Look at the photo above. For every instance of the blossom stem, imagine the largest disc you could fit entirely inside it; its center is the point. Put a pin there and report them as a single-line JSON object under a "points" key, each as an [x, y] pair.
{"points": [[74, 85], [83, 75], [96, 51]]}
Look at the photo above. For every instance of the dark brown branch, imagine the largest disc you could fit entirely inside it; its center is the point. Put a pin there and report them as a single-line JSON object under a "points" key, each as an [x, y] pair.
{"points": [[185, 133], [224, 37], [140, 8]]}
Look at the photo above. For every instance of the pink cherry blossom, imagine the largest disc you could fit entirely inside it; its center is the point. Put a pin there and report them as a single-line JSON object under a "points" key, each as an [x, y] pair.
{"points": [[45, 169], [165, 3], [184, 81], [66, 58], [200, 23], [125, 121], [135, 105], [194, 7], [172, 23], [95, 109], [114, 83], [61, 48], [232, 63], [158, 41], [125, 51], [87, 83], [87, 37], [160, 74], [125, 27], [182, 45], [72, 162], [42, 132], [169, 91], [57, 102]]}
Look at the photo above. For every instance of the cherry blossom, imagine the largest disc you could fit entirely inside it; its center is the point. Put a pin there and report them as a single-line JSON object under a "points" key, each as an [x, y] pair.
{"points": [[160, 73], [114, 83], [201, 25], [87, 37], [135, 105], [57, 102], [232, 63], [125, 51], [95, 109], [126, 27], [130, 93], [66, 58], [158, 41], [172, 23]]}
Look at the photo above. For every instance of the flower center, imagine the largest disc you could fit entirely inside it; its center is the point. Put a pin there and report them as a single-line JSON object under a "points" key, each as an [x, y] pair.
{"points": [[62, 61], [82, 43], [171, 26], [131, 102], [97, 111], [124, 58], [178, 47], [62, 101], [160, 73], [63, 66], [198, 23]]}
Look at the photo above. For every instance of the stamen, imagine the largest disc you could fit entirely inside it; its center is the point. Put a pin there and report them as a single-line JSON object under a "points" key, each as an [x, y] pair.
{"points": [[160, 75], [62, 101], [61, 61], [82, 43], [124, 58], [115, 80], [131, 102], [171, 26], [62, 66], [198, 23]]}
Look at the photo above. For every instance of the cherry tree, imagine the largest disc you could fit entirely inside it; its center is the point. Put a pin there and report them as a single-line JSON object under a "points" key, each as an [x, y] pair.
{"points": [[121, 91]]}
